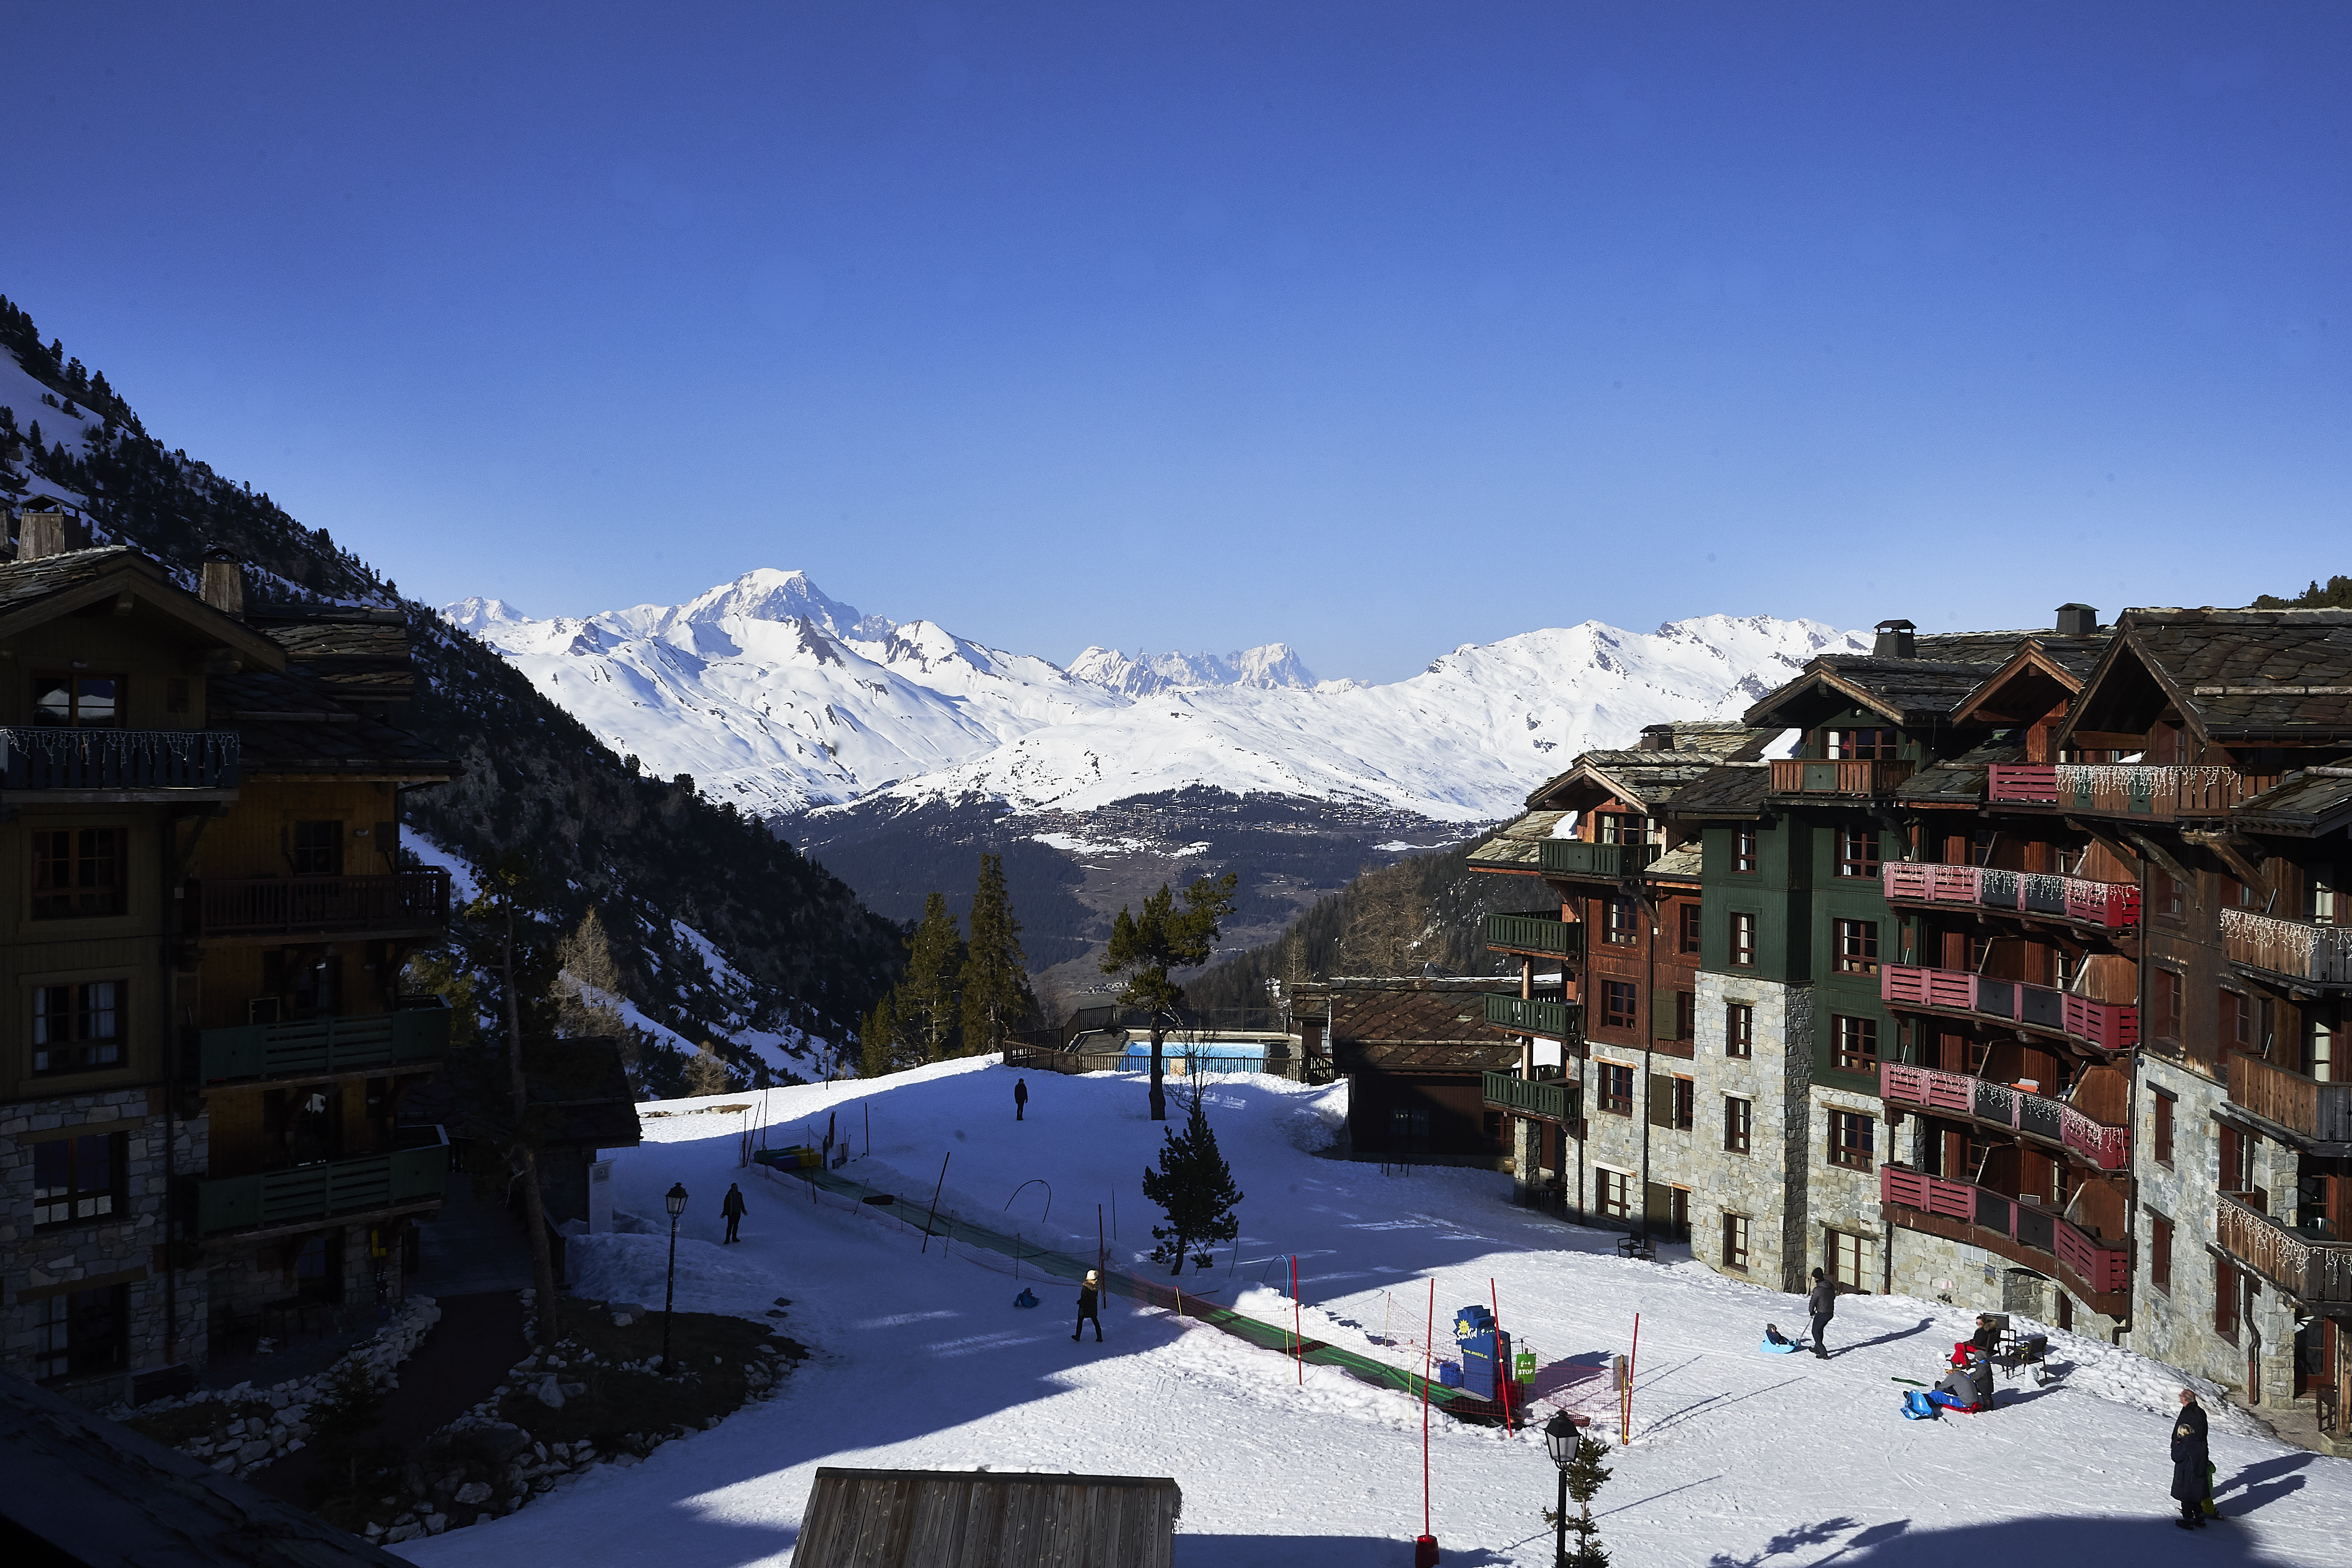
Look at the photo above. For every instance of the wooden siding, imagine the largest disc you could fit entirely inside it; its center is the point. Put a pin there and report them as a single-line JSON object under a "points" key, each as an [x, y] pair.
{"points": [[945, 1519]]}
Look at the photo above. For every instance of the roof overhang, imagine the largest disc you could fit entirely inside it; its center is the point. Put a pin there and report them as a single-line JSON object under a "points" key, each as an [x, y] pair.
{"points": [[2008, 694], [1581, 788], [1811, 696], [145, 583]]}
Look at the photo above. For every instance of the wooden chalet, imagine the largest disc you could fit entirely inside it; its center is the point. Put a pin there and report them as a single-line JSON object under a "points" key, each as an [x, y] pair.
{"points": [[1414, 1051], [987, 1518]]}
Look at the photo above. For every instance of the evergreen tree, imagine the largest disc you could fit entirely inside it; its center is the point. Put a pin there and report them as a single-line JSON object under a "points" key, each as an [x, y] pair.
{"points": [[927, 997], [996, 997], [1585, 1474], [878, 1039], [1194, 1187], [1166, 938]]}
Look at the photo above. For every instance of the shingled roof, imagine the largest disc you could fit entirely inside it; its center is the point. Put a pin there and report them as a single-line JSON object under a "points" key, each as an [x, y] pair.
{"points": [[1436, 1023], [2245, 675], [33, 592], [292, 722], [2309, 801], [359, 655], [1518, 847], [1735, 790]]}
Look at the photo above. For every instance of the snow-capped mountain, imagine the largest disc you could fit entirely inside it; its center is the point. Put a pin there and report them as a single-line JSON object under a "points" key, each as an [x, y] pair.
{"points": [[772, 694]]}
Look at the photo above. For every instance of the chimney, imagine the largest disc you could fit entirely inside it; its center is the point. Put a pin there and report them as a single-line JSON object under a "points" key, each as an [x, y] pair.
{"points": [[41, 532], [1656, 738], [2077, 620], [1896, 640], [224, 583]]}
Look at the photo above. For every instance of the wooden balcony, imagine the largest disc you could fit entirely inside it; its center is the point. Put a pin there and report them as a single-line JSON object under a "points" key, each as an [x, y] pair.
{"points": [[2109, 1026], [112, 762], [2315, 1270], [2107, 906], [1536, 932], [2002, 1105], [1574, 858], [404, 903], [1562, 1021], [305, 1195], [2297, 948], [322, 1047], [1842, 776], [2095, 1268], [1552, 1100], [2319, 1111], [2126, 789]]}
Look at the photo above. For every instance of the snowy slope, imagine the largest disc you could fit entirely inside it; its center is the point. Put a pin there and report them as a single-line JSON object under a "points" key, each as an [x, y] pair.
{"points": [[771, 693], [922, 1360]]}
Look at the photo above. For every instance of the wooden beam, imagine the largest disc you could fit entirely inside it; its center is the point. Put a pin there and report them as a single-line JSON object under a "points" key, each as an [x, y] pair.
{"points": [[2149, 847]]}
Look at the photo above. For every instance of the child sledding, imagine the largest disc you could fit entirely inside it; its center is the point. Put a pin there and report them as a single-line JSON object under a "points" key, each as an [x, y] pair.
{"points": [[1776, 1342]]}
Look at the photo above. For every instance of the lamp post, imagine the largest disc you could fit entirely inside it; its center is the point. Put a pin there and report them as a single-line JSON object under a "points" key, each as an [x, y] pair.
{"points": [[1560, 1441], [675, 1201]]}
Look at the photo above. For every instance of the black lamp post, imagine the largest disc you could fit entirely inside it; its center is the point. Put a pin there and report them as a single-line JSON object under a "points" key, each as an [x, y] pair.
{"points": [[1560, 1441], [675, 1201]]}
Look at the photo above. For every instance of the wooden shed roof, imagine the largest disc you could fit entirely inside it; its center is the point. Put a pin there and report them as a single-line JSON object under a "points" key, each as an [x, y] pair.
{"points": [[2234, 675], [987, 1518], [1518, 847]]}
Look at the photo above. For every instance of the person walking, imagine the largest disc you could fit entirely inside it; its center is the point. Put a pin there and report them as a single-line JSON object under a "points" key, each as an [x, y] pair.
{"points": [[1089, 1298], [732, 1207], [1019, 1097], [2189, 1477], [1822, 1304]]}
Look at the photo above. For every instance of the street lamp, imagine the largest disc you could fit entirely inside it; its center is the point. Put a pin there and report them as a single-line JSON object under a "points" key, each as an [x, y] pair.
{"points": [[675, 1201], [1560, 1441]]}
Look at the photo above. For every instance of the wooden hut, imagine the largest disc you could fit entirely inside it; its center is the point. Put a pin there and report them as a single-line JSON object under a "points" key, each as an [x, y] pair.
{"points": [[987, 1518]]}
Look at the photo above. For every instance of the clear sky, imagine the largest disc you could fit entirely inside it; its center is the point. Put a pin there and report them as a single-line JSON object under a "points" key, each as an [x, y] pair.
{"points": [[1377, 329]]}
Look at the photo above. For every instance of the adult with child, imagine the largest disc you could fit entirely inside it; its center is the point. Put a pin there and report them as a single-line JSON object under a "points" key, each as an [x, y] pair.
{"points": [[1822, 1304]]}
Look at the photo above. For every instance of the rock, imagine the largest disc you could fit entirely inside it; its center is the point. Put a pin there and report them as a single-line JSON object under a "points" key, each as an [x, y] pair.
{"points": [[473, 1493], [550, 1392], [574, 1390], [372, 1530], [505, 1441], [484, 1518], [399, 1532], [252, 1453], [226, 1464], [435, 1523]]}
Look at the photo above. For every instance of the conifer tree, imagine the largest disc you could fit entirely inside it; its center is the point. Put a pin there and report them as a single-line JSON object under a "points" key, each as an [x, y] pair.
{"points": [[927, 997], [878, 1039], [1585, 1474], [1194, 1187], [996, 997], [1166, 938]]}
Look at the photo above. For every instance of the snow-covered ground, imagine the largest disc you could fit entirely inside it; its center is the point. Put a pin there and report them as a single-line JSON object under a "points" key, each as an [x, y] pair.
{"points": [[922, 1360]]}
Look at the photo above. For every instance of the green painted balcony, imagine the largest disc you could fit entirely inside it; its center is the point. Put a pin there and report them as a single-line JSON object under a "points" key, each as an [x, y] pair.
{"points": [[1575, 858], [1552, 1100], [1533, 1015], [1536, 932], [321, 1047], [301, 1194]]}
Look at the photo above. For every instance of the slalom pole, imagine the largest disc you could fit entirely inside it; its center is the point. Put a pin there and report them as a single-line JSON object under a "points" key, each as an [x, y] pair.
{"points": [[1502, 1371], [1297, 1333], [1428, 1353], [1625, 1428], [935, 1199], [868, 1109]]}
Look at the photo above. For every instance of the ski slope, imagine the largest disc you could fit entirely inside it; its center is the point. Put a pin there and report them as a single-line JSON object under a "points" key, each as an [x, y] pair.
{"points": [[922, 1360]]}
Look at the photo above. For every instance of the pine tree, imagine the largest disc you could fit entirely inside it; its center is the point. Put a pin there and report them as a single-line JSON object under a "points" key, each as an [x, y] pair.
{"points": [[878, 1039], [1585, 1474], [706, 1074], [996, 997], [1166, 938], [927, 997], [586, 983], [1194, 1189]]}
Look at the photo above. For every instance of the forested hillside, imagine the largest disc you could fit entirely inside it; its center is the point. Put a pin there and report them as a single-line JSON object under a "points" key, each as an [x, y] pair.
{"points": [[532, 787]]}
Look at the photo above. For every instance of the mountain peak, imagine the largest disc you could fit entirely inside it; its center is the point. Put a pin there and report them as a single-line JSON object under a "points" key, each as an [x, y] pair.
{"points": [[1269, 667]]}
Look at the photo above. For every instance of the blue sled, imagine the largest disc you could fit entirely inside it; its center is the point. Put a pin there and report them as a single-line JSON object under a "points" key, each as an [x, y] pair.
{"points": [[1768, 1348]]}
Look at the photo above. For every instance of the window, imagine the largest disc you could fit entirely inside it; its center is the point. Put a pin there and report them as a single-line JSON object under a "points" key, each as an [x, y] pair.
{"points": [[77, 1179], [1737, 1118], [78, 1028], [2236, 1173], [1619, 920], [2237, 1020], [82, 701], [1743, 941], [1735, 1242], [1852, 1139], [2171, 897], [2225, 1301], [1857, 852], [1682, 1101], [1617, 1003], [1674, 1010], [82, 1332], [1857, 1044], [2319, 1050], [318, 849], [1616, 1089], [1407, 1131], [2167, 1003], [1615, 1191], [1855, 946], [2160, 1253], [79, 871], [1873, 745], [2163, 1139], [1688, 933], [1738, 1030], [1743, 855], [1851, 1261], [2319, 898]]}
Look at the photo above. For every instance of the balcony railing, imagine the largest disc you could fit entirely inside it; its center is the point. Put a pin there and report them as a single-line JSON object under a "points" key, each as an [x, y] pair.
{"points": [[2294, 948], [2110, 906], [1574, 858], [1554, 1099], [274, 906], [2313, 1269], [1535, 1015], [2126, 789], [1982, 1099], [2102, 1267], [1844, 776], [2110, 1026], [2320, 1112], [320, 1046], [42, 757], [1536, 932], [269, 1199]]}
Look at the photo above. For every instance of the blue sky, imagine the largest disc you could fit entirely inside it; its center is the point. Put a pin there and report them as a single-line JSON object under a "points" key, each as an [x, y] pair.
{"points": [[1377, 329]]}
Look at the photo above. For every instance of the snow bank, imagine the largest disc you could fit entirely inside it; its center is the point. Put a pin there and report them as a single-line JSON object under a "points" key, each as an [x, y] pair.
{"points": [[614, 1267]]}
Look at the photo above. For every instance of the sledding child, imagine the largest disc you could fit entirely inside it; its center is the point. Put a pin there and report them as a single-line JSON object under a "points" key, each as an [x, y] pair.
{"points": [[1774, 1339]]}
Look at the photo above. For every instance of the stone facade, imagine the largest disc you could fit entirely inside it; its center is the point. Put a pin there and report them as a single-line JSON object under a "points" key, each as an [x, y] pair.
{"points": [[1769, 1187], [1838, 1197]]}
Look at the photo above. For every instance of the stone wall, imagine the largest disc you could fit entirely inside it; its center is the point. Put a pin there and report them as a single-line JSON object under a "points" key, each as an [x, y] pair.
{"points": [[1842, 1198], [1768, 1185], [1969, 1277], [247, 1275]]}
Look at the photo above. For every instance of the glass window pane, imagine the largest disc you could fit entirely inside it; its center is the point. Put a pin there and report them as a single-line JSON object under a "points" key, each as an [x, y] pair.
{"points": [[97, 699], [52, 701]]}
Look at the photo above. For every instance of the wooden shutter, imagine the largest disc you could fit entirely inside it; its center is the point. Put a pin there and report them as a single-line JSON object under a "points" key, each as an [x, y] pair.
{"points": [[1662, 1100]]}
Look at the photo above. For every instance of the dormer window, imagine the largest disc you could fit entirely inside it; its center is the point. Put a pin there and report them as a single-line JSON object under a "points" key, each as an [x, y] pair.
{"points": [[1874, 745], [81, 701], [1624, 827]]}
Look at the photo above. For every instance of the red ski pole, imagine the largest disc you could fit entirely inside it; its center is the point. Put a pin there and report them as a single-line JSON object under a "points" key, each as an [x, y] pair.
{"points": [[1297, 1333], [1502, 1371], [1424, 1549]]}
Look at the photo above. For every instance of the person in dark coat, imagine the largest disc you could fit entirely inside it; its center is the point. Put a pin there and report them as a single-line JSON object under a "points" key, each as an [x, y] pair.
{"points": [[732, 1207], [1019, 1097], [1090, 1299], [1822, 1304], [2189, 1480]]}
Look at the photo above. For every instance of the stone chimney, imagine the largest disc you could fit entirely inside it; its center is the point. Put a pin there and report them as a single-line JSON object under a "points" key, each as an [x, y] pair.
{"points": [[2077, 620], [1656, 738], [1896, 640], [41, 531], [224, 584]]}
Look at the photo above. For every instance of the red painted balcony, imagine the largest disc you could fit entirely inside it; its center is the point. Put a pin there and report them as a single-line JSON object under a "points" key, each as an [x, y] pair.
{"points": [[2000, 1105], [2110, 905], [2012, 785], [2000, 1223], [2110, 1026]]}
